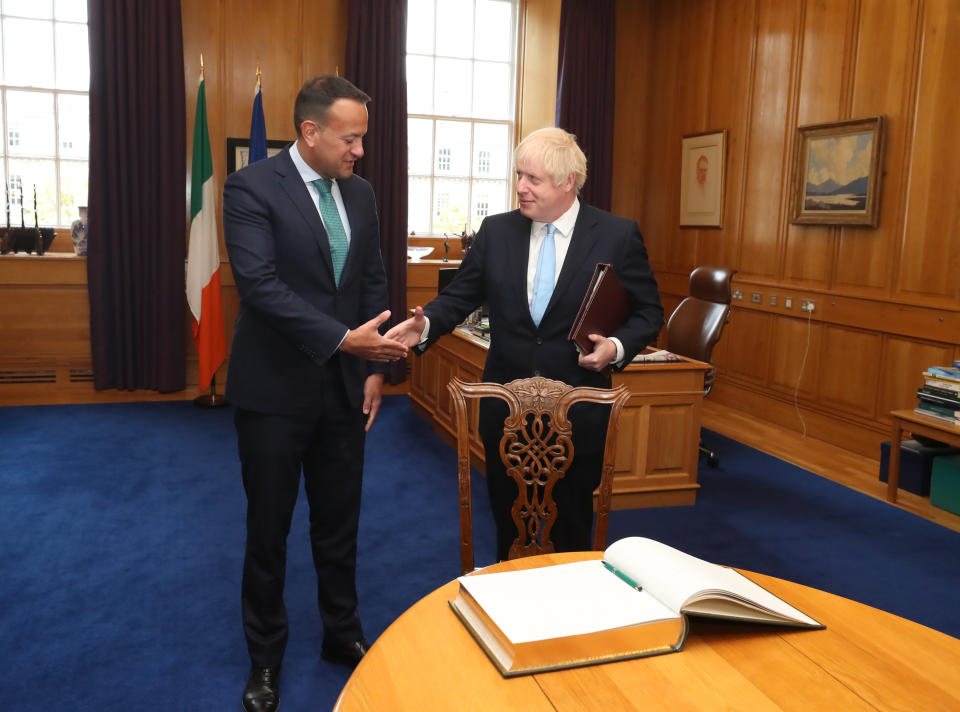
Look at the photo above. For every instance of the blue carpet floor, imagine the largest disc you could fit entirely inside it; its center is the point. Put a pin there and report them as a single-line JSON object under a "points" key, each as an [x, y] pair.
{"points": [[122, 535]]}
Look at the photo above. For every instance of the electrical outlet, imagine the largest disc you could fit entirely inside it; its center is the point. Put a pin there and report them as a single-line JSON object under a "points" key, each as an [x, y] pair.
{"points": [[807, 305], [788, 302], [773, 300], [756, 297], [738, 295]]}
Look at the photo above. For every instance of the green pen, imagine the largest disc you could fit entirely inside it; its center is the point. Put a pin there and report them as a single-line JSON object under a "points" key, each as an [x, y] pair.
{"points": [[622, 576]]}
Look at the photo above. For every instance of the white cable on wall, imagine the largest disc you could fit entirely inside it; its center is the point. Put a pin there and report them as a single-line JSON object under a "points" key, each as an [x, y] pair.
{"points": [[803, 363]]}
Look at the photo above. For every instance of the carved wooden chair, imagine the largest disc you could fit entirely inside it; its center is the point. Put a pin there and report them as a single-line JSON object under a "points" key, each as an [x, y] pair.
{"points": [[536, 450]]}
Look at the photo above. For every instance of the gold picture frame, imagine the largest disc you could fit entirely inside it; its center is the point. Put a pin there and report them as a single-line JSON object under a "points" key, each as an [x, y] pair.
{"points": [[704, 158], [839, 172]]}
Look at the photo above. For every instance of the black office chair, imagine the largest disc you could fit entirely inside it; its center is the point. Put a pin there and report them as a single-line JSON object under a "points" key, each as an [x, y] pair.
{"points": [[695, 326]]}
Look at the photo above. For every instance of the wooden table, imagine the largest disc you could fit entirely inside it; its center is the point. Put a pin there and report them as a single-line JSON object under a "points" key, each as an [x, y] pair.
{"points": [[912, 422], [657, 450], [866, 659]]}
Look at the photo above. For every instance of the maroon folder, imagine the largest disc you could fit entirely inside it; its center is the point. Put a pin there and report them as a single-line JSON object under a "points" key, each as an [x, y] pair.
{"points": [[604, 308]]}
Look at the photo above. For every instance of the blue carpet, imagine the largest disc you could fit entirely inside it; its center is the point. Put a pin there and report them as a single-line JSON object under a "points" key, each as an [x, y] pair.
{"points": [[122, 531]]}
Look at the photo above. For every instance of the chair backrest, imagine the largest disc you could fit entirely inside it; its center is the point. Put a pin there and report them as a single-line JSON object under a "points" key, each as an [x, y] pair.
{"points": [[536, 450], [695, 326]]}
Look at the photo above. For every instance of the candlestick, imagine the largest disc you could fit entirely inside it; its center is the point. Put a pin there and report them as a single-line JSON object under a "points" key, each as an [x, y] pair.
{"points": [[22, 221], [6, 194], [36, 220]]}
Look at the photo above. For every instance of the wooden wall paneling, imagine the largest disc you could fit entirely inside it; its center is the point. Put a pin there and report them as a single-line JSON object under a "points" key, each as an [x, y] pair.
{"points": [[795, 356], [632, 128], [883, 83], [930, 257], [323, 42], [849, 373], [539, 26], [731, 67], [904, 362], [768, 135], [808, 249], [748, 346]]}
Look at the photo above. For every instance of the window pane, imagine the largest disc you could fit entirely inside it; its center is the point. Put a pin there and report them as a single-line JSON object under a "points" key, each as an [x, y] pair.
{"points": [[30, 123], [453, 87], [489, 198], [490, 151], [419, 145], [453, 148], [492, 91], [28, 52], [29, 8], [419, 85], [455, 28], [73, 116], [39, 174], [494, 39], [73, 10], [420, 26], [73, 189], [418, 206], [450, 205], [73, 57]]}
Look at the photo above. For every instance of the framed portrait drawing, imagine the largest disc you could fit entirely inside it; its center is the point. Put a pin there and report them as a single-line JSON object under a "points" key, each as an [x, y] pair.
{"points": [[839, 168], [238, 152], [704, 156]]}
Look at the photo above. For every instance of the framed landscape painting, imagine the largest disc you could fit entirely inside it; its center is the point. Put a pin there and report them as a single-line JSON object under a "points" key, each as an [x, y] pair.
{"points": [[839, 168]]}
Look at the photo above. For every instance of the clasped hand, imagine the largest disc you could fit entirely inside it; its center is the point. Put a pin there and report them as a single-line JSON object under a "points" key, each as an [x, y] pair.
{"points": [[366, 342], [604, 352], [409, 332]]}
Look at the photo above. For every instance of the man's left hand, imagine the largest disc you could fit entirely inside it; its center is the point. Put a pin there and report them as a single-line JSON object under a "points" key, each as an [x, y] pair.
{"points": [[372, 397], [604, 351]]}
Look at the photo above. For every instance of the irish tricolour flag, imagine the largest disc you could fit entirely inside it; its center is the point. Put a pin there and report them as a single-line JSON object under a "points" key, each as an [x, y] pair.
{"points": [[203, 257]]}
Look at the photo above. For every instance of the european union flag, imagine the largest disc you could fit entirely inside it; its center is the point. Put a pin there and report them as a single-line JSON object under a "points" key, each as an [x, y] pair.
{"points": [[258, 131]]}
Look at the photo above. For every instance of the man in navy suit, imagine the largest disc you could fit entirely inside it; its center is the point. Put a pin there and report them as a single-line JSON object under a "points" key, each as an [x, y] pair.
{"points": [[306, 367], [531, 267]]}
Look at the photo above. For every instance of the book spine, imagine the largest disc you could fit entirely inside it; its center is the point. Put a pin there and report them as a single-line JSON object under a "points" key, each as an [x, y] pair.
{"points": [[940, 383], [931, 414], [942, 392], [934, 409], [939, 399], [949, 374]]}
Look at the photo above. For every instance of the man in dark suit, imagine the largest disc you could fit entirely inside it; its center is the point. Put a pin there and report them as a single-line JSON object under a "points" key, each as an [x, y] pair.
{"points": [[306, 367], [531, 267]]}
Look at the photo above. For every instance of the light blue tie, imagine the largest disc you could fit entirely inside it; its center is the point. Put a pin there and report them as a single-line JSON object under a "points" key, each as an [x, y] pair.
{"points": [[336, 235], [543, 281]]}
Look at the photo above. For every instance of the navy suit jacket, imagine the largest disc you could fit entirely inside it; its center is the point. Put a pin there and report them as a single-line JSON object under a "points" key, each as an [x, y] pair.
{"points": [[292, 314], [494, 272]]}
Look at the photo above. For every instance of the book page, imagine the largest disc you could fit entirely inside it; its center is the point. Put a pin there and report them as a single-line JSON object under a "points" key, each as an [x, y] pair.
{"points": [[685, 583], [562, 600]]}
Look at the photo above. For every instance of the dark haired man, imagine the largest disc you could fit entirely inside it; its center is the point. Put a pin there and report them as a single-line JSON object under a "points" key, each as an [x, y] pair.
{"points": [[306, 367]]}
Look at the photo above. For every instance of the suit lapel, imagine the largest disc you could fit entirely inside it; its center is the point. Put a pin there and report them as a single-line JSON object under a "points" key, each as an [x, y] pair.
{"points": [[293, 185], [347, 194], [581, 245], [518, 258]]}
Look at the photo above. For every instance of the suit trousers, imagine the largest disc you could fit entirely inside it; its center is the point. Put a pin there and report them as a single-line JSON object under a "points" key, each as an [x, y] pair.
{"points": [[328, 448]]}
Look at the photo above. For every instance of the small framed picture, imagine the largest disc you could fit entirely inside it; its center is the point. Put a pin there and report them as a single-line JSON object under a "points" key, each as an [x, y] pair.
{"points": [[238, 152], [704, 156], [839, 167]]}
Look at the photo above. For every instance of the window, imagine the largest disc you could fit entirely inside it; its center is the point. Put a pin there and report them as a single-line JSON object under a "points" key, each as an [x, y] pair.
{"points": [[44, 87], [461, 69]]}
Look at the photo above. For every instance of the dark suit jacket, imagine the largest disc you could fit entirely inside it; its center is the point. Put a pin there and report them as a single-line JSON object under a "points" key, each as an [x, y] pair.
{"points": [[292, 315], [495, 272]]}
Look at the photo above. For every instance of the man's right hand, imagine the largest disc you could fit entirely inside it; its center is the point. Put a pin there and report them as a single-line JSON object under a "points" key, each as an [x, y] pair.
{"points": [[409, 332], [367, 343]]}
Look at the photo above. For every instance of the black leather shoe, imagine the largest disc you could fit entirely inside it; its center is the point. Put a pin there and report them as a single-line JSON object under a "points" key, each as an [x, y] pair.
{"points": [[344, 653], [262, 693]]}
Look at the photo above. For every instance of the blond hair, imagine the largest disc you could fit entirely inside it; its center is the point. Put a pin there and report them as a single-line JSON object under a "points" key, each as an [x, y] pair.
{"points": [[558, 153]]}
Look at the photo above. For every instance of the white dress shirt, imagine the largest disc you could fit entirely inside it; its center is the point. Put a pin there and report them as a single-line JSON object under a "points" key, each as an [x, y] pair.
{"points": [[309, 175]]}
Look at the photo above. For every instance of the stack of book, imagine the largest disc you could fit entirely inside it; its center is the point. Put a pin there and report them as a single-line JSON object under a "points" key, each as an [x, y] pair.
{"points": [[939, 397]]}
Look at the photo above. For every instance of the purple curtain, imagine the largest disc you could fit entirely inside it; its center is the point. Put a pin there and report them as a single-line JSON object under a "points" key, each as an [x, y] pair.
{"points": [[585, 89], [135, 262], [376, 62]]}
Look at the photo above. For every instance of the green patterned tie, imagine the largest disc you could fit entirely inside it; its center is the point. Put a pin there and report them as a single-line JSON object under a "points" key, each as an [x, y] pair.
{"points": [[336, 235]]}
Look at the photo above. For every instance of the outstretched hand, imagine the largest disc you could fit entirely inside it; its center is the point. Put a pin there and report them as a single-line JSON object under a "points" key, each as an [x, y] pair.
{"points": [[367, 343], [604, 352], [408, 332]]}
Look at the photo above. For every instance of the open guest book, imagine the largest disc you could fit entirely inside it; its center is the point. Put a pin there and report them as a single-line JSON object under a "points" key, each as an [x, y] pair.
{"points": [[631, 604]]}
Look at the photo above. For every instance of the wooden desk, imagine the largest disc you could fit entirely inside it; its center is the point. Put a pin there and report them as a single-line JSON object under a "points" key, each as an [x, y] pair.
{"points": [[866, 659], [913, 422], [657, 451]]}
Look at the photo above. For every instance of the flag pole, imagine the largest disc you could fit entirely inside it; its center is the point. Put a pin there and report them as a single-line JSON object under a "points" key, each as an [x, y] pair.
{"points": [[211, 399]]}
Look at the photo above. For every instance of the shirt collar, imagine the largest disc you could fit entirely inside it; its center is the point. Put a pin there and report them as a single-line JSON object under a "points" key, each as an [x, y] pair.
{"points": [[306, 172], [564, 223]]}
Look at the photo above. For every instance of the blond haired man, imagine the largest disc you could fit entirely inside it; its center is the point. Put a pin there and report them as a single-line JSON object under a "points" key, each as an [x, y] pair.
{"points": [[531, 267]]}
